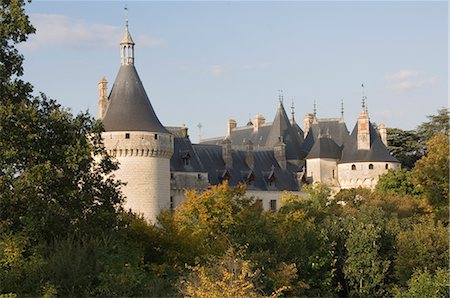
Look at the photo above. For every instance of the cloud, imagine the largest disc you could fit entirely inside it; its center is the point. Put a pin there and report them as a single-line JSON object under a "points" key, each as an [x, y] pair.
{"points": [[402, 75], [409, 85], [61, 30], [217, 70]]}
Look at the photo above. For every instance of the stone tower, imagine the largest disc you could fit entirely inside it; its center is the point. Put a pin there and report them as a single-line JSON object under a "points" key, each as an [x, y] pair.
{"points": [[137, 139]]}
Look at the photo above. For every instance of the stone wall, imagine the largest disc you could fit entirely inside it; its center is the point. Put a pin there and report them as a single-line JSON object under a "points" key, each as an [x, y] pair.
{"points": [[364, 174]]}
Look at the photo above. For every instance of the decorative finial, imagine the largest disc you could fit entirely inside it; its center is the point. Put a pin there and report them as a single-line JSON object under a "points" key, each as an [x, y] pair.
{"points": [[315, 109], [280, 96], [199, 131], [342, 108], [126, 15], [363, 98], [293, 109]]}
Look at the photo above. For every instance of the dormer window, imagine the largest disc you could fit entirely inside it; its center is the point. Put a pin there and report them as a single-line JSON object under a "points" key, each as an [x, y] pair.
{"points": [[186, 157]]}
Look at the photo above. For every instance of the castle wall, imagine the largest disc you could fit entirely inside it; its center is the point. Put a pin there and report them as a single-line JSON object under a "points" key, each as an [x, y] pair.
{"points": [[180, 181], [268, 197], [323, 170], [144, 161], [361, 174]]}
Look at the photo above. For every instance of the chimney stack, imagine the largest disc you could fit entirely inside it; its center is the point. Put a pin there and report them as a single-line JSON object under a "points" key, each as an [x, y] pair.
{"points": [[226, 153], [363, 138], [383, 133], [231, 125], [258, 121], [102, 97], [279, 151], [249, 159], [307, 122]]}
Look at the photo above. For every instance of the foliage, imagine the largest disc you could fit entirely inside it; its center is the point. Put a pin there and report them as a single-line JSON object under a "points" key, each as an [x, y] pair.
{"points": [[431, 173], [437, 124], [396, 182], [425, 245], [53, 172], [405, 146], [229, 276], [14, 29], [423, 284]]}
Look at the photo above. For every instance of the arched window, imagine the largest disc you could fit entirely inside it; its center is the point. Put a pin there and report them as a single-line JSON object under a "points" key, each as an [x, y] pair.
{"points": [[370, 166], [386, 166], [353, 168]]}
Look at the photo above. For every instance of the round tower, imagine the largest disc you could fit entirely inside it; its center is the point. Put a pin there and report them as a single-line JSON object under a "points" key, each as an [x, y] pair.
{"points": [[137, 139]]}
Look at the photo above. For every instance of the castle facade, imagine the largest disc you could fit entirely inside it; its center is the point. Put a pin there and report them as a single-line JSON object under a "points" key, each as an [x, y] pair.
{"points": [[158, 162]]}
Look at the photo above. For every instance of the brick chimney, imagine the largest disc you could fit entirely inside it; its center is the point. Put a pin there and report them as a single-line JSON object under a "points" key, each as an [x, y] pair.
{"points": [[226, 153], [383, 133], [231, 125], [102, 97], [258, 121], [363, 138]]}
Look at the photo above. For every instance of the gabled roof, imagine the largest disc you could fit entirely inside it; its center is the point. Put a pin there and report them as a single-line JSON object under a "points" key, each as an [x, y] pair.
{"points": [[183, 150], [129, 108], [266, 173], [268, 135], [334, 127], [325, 147], [378, 151]]}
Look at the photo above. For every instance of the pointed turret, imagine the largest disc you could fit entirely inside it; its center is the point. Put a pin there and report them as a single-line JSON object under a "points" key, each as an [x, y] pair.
{"points": [[129, 107]]}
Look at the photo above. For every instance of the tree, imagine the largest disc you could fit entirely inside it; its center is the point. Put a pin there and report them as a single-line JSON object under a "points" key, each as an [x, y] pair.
{"points": [[431, 173], [15, 28], [424, 246], [404, 145], [437, 124], [54, 172], [423, 284], [396, 182]]}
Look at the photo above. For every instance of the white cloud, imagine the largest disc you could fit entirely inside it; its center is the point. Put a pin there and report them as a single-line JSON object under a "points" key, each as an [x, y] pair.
{"points": [[409, 85], [217, 70], [402, 75], [61, 30]]}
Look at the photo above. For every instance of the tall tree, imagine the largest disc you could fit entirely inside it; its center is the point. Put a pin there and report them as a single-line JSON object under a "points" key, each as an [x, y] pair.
{"points": [[437, 124], [431, 173], [14, 29], [405, 146]]}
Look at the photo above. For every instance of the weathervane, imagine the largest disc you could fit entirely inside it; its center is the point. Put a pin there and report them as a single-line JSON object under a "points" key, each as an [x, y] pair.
{"points": [[292, 109], [126, 14], [315, 109], [199, 131], [363, 99], [342, 108]]}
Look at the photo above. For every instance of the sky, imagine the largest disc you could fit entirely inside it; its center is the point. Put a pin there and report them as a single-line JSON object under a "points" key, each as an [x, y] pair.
{"points": [[207, 62]]}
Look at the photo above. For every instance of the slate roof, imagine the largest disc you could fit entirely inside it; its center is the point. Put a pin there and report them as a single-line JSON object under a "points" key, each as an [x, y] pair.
{"points": [[129, 108], [266, 169], [377, 152], [268, 135], [183, 150], [325, 147], [334, 127]]}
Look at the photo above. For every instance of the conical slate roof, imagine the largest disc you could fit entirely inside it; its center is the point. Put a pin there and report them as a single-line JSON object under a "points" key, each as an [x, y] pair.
{"points": [[129, 108], [282, 130], [377, 152], [325, 147]]}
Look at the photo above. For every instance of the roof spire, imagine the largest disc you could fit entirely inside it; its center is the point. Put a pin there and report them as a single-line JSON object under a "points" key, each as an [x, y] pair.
{"points": [[363, 99], [315, 109], [127, 44], [293, 110], [280, 96], [342, 108]]}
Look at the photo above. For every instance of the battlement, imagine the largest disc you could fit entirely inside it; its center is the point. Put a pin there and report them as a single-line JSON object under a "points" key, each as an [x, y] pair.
{"points": [[138, 143]]}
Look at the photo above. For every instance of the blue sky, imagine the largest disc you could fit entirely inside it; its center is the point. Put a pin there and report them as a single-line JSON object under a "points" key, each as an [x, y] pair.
{"points": [[206, 62]]}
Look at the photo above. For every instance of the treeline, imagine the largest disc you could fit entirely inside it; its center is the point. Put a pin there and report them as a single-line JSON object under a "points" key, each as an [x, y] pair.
{"points": [[63, 231]]}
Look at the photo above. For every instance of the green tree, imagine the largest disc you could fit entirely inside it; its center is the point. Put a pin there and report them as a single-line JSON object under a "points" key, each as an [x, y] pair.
{"points": [[431, 173], [424, 246], [437, 124], [396, 182], [405, 146], [14, 29], [423, 284]]}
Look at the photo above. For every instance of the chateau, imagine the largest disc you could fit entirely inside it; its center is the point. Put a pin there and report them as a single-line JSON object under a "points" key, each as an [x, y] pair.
{"points": [[158, 162]]}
